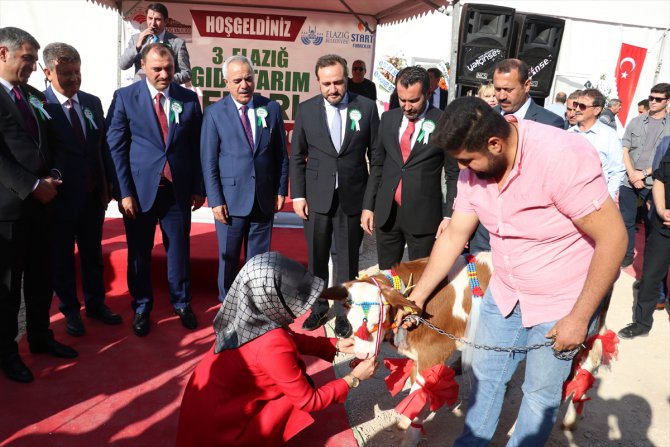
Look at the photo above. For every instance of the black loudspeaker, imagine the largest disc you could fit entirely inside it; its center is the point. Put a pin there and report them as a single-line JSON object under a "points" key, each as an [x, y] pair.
{"points": [[485, 38], [538, 43]]}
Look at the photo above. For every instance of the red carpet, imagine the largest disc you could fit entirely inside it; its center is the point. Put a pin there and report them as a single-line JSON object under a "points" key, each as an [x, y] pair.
{"points": [[125, 391]]}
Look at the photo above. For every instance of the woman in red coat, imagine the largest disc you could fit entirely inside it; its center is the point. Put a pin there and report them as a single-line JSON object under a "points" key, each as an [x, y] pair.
{"points": [[251, 389]]}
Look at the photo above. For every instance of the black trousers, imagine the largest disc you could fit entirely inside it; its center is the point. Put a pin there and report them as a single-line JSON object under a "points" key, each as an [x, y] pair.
{"points": [[391, 239], [86, 231], [654, 269], [25, 263], [319, 231]]}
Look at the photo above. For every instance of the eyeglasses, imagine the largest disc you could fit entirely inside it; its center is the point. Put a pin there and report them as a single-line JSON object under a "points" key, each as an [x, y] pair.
{"points": [[582, 106], [657, 99], [357, 69]]}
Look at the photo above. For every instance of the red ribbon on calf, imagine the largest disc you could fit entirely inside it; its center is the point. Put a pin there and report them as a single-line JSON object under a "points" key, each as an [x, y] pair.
{"points": [[400, 372], [578, 387], [439, 388], [610, 350]]}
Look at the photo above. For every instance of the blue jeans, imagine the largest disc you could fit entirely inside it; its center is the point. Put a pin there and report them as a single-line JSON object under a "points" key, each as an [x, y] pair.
{"points": [[492, 371]]}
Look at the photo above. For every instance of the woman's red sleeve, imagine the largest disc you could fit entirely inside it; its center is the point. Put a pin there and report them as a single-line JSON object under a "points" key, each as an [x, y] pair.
{"points": [[279, 359]]}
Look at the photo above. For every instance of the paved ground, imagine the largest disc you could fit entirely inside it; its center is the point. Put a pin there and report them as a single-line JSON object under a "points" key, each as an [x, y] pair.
{"points": [[630, 404]]}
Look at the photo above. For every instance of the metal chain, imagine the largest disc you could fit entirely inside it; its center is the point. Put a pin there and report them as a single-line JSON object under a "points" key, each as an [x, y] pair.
{"points": [[561, 355]]}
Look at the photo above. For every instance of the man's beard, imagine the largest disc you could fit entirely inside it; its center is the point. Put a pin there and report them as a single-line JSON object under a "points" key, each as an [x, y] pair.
{"points": [[496, 168]]}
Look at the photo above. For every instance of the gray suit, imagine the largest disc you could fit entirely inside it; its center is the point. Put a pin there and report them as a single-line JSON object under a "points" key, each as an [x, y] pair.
{"points": [[182, 68]]}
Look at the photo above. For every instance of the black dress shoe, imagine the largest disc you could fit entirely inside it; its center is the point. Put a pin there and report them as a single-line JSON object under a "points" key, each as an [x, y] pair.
{"points": [[314, 321], [187, 317], [15, 369], [104, 314], [342, 327], [74, 326], [141, 324], [634, 330], [51, 346]]}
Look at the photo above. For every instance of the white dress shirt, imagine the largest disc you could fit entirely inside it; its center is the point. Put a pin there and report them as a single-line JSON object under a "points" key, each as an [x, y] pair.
{"points": [[63, 101], [166, 100], [251, 114]]}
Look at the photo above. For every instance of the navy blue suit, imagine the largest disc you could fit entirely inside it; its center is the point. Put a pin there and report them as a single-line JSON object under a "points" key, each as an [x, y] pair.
{"points": [[79, 207], [139, 155], [246, 182]]}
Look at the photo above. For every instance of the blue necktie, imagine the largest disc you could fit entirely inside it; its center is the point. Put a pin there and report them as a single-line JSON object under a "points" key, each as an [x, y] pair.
{"points": [[336, 129]]}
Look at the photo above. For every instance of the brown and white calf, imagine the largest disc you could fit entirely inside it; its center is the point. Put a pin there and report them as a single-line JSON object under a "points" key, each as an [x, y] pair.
{"points": [[373, 302]]}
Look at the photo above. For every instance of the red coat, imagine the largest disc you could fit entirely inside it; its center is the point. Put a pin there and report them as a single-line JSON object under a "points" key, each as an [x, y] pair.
{"points": [[256, 395]]}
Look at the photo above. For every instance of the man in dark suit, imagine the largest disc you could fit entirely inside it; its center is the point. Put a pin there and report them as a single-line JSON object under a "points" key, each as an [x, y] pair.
{"points": [[333, 134], [437, 96], [403, 199], [79, 208], [512, 86], [157, 18], [245, 168], [26, 189], [154, 139]]}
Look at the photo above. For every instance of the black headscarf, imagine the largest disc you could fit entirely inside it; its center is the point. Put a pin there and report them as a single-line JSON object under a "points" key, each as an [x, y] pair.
{"points": [[269, 292]]}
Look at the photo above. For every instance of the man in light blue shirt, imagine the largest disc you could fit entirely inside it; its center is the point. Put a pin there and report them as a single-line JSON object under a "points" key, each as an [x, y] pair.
{"points": [[589, 106]]}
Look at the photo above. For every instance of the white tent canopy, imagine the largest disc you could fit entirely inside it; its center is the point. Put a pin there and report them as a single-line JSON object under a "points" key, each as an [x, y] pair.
{"points": [[384, 11]]}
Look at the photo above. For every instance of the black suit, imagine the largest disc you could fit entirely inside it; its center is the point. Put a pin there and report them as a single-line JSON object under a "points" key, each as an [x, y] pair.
{"points": [[423, 204], [313, 166], [24, 224], [444, 95], [480, 239], [79, 208], [540, 115]]}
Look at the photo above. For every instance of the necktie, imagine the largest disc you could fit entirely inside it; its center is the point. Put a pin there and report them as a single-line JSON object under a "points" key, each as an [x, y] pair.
{"points": [[405, 149], [76, 124], [247, 126], [336, 129], [28, 117], [154, 39], [162, 120]]}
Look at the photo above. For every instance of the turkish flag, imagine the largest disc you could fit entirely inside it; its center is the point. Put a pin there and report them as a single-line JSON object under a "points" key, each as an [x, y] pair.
{"points": [[627, 73]]}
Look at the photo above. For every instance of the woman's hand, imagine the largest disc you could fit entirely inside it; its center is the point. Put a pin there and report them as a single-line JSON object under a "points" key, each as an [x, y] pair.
{"points": [[365, 369], [345, 345]]}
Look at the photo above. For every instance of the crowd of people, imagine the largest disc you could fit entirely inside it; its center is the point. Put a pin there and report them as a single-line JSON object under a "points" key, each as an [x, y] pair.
{"points": [[427, 175]]}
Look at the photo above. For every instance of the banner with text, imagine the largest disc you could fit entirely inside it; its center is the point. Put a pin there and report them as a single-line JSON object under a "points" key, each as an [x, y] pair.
{"points": [[282, 45]]}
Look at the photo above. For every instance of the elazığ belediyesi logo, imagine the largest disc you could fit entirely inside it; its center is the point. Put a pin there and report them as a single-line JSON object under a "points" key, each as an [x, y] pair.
{"points": [[311, 37]]}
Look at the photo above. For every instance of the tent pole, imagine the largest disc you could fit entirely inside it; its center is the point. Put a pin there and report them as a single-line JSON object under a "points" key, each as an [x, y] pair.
{"points": [[360, 19], [455, 30]]}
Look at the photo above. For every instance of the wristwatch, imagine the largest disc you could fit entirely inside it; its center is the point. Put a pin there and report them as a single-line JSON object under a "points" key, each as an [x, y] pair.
{"points": [[355, 381], [644, 172]]}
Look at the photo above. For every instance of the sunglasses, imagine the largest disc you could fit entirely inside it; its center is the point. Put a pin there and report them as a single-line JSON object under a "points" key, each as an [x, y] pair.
{"points": [[582, 106], [358, 69], [656, 99]]}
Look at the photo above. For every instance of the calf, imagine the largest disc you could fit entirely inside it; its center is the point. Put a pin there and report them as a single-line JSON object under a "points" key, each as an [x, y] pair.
{"points": [[372, 303]]}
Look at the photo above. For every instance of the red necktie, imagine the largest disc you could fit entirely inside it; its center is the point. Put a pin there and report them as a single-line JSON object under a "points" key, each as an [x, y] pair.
{"points": [[76, 124], [162, 120], [27, 114], [405, 149]]}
